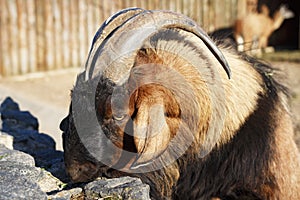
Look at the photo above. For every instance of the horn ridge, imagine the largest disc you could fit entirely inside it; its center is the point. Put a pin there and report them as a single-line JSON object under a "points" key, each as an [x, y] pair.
{"points": [[143, 25], [190, 25], [105, 30], [113, 18]]}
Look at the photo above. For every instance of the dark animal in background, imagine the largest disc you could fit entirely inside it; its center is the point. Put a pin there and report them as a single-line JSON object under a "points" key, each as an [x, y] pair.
{"points": [[157, 74]]}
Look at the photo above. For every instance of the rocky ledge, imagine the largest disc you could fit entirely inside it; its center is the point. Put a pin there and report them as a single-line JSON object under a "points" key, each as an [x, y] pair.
{"points": [[31, 167]]}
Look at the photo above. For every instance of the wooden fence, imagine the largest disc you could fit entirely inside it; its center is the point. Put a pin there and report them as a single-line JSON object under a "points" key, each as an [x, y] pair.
{"points": [[40, 35]]}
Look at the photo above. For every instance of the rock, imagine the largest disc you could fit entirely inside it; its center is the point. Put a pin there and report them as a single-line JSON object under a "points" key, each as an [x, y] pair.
{"points": [[33, 169], [23, 127], [53, 162], [19, 182], [15, 119], [48, 182], [23, 170], [32, 142], [5, 139], [17, 170], [9, 104], [117, 188], [23, 188], [73, 193], [15, 156], [52, 156], [19, 165]]}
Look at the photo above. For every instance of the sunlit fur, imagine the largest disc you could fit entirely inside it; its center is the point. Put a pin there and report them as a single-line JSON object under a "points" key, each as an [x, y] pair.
{"points": [[255, 156]]}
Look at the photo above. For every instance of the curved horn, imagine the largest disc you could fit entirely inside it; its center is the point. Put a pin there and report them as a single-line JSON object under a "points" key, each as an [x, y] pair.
{"points": [[112, 23], [129, 38]]}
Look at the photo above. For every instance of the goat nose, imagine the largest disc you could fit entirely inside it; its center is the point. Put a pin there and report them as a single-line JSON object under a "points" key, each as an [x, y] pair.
{"points": [[64, 124]]}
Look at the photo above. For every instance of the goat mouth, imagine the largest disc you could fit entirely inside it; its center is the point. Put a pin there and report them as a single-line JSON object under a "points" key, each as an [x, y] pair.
{"points": [[87, 176], [112, 173]]}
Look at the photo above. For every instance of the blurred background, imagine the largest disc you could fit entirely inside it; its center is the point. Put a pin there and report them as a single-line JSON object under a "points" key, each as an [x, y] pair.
{"points": [[44, 43]]}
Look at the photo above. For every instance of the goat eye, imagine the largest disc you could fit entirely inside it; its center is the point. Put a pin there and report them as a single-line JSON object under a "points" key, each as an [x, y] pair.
{"points": [[119, 117]]}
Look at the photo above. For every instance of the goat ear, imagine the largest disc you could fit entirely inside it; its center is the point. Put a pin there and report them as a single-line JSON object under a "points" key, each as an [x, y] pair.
{"points": [[151, 135]]}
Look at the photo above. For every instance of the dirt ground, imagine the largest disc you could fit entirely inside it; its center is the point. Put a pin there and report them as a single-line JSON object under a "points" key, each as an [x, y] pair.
{"points": [[46, 96]]}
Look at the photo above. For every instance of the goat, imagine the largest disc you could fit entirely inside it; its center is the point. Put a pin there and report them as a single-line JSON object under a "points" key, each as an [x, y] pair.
{"points": [[157, 100], [259, 26]]}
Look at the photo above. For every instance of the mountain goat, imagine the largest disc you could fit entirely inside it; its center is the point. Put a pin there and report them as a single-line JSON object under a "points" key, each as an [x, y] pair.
{"points": [[157, 100]]}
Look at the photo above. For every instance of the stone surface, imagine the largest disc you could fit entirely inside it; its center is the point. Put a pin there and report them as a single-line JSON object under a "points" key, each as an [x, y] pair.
{"points": [[23, 188], [15, 156], [6, 140], [25, 169], [117, 188], [18, 170], [23, 127], [18, 181], [33, 169], [73, 193]]}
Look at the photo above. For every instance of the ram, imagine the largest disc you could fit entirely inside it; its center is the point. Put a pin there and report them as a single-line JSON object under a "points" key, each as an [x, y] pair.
{"points": [[157, 100]]}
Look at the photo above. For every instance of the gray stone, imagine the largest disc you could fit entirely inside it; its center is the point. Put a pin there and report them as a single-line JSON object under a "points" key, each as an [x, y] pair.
{"points": [[32, 142], [19, 182], [22, 188], [16, 119], [117, 188], [22, 126], [73, 193], [35, 170], [6, 139], [19, 175], [20, 178], [15, 156], [16, 170], [48, 183]]}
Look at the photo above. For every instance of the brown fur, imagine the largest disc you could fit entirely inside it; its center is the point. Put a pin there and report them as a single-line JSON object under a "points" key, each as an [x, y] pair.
{"points": [[255, 156]]}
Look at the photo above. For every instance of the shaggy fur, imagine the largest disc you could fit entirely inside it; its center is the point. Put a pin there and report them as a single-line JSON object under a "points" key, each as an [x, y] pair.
{"points": [[254, 157]]}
